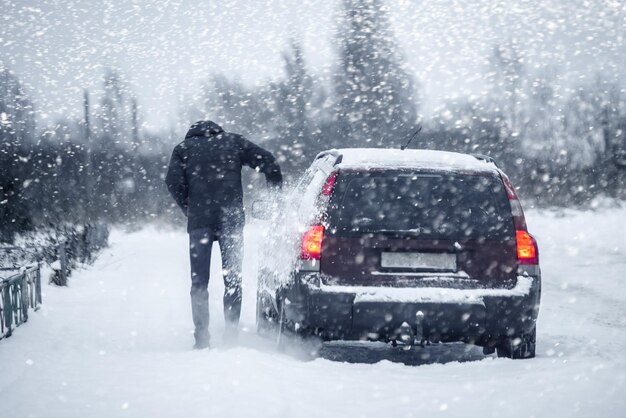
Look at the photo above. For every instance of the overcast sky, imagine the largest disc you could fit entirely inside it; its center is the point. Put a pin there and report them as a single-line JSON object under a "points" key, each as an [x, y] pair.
{"points": [[166, 49]]}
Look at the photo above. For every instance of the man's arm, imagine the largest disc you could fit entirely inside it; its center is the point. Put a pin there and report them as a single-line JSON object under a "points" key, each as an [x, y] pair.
{"points": [[177, 182], [257, 157]]}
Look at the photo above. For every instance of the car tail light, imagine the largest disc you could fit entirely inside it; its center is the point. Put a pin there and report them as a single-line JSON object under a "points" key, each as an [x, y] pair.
{"points": [[527, 252], [312, 243], [312, 240], [327, 190], [516, 207]]}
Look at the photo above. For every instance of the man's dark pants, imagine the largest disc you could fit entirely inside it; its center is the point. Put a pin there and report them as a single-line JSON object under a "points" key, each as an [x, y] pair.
{"points": [[230, 239]]}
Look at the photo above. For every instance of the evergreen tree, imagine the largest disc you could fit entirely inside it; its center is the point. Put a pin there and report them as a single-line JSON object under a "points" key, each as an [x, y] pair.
{"points": [[296, 138], [375, 96], [507, 77], [17, 124]]}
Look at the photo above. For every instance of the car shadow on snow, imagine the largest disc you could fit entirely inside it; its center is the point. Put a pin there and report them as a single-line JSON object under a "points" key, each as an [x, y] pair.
{"points": [[369, 353], [361, 352]]}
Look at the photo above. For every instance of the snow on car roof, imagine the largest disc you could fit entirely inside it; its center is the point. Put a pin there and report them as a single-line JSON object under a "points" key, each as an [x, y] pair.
{"points": [[411, 158]]}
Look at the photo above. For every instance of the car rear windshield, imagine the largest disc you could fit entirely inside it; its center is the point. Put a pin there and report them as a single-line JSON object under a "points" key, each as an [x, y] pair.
{"points": [[428, 205]]}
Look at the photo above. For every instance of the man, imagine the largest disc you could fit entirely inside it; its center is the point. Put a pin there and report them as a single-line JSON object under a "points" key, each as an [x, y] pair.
{"points": [[204, 177]]}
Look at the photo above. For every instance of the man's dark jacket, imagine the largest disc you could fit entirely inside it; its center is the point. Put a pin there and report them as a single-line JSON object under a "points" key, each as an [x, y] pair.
{"points": [[204, 175]]}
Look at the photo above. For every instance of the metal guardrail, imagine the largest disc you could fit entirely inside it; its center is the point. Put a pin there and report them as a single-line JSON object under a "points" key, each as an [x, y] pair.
{"points": [[21, 290], [63, 250], [19, 293]]}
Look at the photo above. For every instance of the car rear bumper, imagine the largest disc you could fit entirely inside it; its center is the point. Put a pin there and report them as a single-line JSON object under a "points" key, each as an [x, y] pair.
{"points": [[373, 313]]}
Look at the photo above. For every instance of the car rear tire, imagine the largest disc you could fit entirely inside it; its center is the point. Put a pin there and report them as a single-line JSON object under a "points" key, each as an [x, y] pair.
{"points": [[266, 323], [518, 347], [301, 343]]}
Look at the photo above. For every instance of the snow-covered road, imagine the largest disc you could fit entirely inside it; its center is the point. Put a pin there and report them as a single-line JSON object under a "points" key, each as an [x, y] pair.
{"points": [[117, 342]]}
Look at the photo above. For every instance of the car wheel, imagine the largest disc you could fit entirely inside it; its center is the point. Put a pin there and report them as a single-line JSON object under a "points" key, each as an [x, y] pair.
{"points": [[266, 323], [518, 347], [302, 343]]}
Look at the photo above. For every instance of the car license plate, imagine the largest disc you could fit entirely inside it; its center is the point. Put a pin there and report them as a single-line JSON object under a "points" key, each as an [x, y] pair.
{"points": [[430, 261]]}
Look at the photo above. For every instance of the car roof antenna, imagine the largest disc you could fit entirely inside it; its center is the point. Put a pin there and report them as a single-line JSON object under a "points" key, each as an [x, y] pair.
{"points": [[419, 129]]}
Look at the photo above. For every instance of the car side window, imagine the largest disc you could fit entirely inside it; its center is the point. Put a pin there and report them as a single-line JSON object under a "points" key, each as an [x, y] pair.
{"points": [[306, 180], [301, 185], [292, 201], [307, 209]]}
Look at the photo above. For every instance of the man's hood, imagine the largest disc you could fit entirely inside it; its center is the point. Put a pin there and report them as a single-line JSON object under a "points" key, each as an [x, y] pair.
{"points": [[204, 128]]}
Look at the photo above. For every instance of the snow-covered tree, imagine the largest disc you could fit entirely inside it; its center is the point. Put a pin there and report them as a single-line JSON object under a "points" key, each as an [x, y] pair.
{"points": [[376, 101], [507, 81], [117, 115], [17, 126]]}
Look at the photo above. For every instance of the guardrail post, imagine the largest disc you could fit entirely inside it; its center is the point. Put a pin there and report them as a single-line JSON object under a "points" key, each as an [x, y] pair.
{"points": [[8, 310], [63, 261], [24, 302], [38, 299], [2, 312]]}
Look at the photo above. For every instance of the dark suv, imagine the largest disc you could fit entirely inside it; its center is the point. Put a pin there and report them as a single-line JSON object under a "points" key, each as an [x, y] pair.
{"points": [[402, 246]]}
